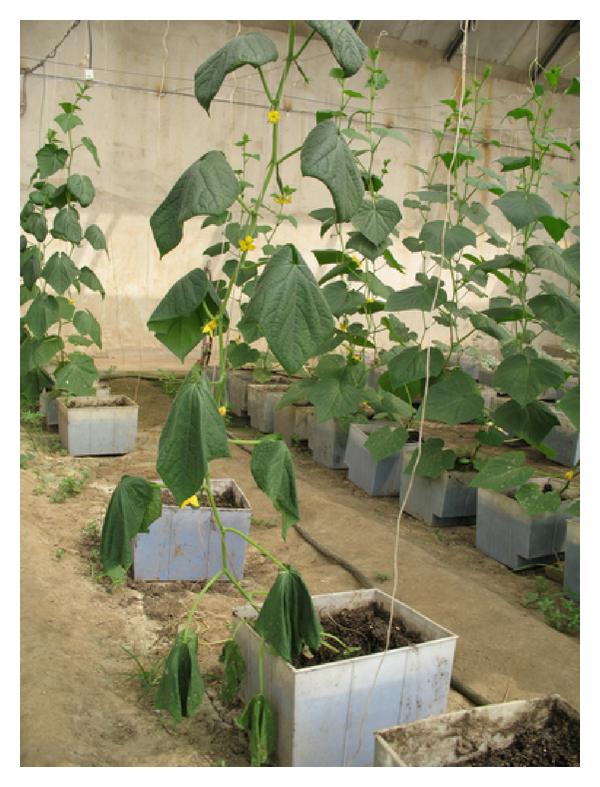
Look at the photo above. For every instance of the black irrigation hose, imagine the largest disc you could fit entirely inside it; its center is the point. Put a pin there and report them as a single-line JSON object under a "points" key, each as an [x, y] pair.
{"points": [[458, 685]]}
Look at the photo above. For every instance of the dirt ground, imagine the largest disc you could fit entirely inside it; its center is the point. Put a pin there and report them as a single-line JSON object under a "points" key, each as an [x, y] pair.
{"points": [[89, 652]]}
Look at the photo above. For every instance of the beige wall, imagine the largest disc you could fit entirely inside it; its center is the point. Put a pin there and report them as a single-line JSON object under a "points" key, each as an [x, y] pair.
{"points": [[146, 140]]}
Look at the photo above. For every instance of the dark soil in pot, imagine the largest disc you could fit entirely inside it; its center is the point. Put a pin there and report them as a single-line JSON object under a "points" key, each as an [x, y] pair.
{"points": [[113, 401], [555, 745], [363, 631], [226, 499]]}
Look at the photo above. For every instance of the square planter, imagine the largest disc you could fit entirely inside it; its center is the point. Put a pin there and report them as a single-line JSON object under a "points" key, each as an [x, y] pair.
{"points": [[447, 500], [94, 426], [327, 441], [185, 544], [571, 581], [564, 439], [49, 404], [237, 390], [326, 715], [512, 537], [453, 738], [294, 423], [262, 399], [376, 478], [486, 375], [470, 366]]}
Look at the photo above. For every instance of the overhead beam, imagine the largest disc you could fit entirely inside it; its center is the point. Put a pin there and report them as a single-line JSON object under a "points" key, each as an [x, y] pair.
{"points": [[456, 41], [568, 30]]}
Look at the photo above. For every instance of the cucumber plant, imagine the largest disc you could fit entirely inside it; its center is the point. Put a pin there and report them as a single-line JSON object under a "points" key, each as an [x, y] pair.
{"points": [[52, 328]]}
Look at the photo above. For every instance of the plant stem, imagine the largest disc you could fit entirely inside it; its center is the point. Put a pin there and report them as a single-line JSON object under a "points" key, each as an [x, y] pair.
{"points": [[256, 545]]}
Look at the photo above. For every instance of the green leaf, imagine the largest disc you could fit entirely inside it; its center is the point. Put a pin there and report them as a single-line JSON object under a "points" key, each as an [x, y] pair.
{"points": [[42, 313], [569, 404], [241, 354], [326, 157], [377, 219], [89, 278], [511, 163], [332, 257], [251, 49], [60, 272], [290, 309], [181, 688], [411, 364], [298, 391], [358, 242], [67, 122], [476, 213], [193, 435], [569, 329], [454, 399], [524, 377], [490, 436], [574, 87], [181, 315], [36, 353], [386, 441], [448, 241], [66, 226], [66, 309], [552, 307], [394, 133], [258, 721], [273, 470], [95, 236], [420, 296], [434, 459], [535, 501], [89, 145], [36, 225], [503, 472], [133, 506], [80, 341], [341, 299], [82, 188], [234, 670], [207, 187], [532, 422], [338, 394], [287, 619], [31, 268], [344, 43], [520, 112], [550, 257], [490, 327], [77, 375], [87, 325], [521, 208], [50, 159], [555, 227]]}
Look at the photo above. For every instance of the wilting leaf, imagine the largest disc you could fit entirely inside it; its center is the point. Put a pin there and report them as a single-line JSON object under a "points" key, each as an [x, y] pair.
{"points": [[273, 470], [258, 721], [181, 687]]}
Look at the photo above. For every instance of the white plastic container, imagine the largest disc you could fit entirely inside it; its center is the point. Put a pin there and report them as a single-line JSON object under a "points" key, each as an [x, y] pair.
{"points": [[98, 426], [49, 404], [326, 715], [185, 543], [452, 738]]}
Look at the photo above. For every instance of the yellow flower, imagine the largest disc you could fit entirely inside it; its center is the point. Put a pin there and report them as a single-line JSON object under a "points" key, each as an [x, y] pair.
{"points": [[344, 325], [353, 357], [569, 475], [246, 244], [191, 501], [281, 200], [370, 300], [273, 116], [222, 410], [210, 328], [71, 301], [355, 260]]}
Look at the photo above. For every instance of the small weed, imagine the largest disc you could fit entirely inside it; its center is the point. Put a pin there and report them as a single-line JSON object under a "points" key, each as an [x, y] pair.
{"points": [[266, 523], [59, 553], [70, 486], [381, 576], [90, 531], [25, 459], [147, 679], [558, 610], [169, 382]]}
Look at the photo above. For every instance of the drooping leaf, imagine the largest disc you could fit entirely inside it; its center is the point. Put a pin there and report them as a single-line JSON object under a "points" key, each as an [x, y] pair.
{"points": [[290, 309], [36, 225], [66, 226], [91, 148], [234, 669], [273, 470], [95, 236], [489, 326], [181, 315], [454, 399], [524, 377], [521, 208], [133, 506], [192, 436], [42, 313], [77, 375], [50, 159], [377, 219], [344, 43], [60, 272], [258, 721], [87, 325], [535, 501], [82, 188], [89, 278], [207, 187], [434, 459], [550, 257], [326, 157], [386, 441], [531, 422], [555, 227], [358, 242], [411, 364], [503, 472], [251, 49], [31, 267], [181, 688], [569, 404], [287, 619]]}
